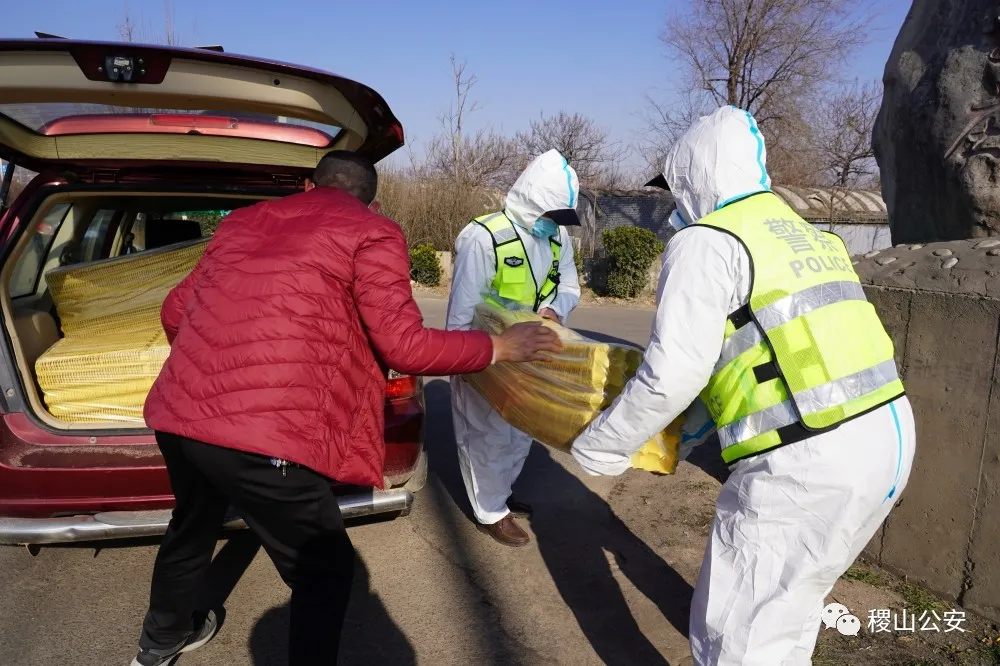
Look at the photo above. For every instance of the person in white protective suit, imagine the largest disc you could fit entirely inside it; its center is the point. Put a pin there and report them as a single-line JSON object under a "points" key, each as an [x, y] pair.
{"points": [[518, 258], [763, 335]]}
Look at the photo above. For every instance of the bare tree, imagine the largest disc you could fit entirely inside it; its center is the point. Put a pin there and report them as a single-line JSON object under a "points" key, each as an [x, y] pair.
{"points": [[663, 123], [791, 154], [127, 29], [170, 36], [769, 57], [454, 119], [484, 158], [132, 31], [843, 135], [585, 145]]}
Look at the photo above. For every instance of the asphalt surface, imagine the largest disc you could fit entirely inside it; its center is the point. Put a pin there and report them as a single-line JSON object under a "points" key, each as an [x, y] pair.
{"points": [[603, 581]]}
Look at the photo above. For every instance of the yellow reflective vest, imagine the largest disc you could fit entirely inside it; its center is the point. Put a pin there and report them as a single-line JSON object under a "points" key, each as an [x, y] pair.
{"points": [[808, 351], [514, 285]]}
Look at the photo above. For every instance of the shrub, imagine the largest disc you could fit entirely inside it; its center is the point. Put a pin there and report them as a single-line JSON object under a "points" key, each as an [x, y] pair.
{"points": [[424, 265], [208, 220], [631, 251]]}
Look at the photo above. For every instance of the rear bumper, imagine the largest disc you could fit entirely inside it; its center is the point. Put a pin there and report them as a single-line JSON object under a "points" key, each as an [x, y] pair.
{"points": [[45, 474], [133, 524]]}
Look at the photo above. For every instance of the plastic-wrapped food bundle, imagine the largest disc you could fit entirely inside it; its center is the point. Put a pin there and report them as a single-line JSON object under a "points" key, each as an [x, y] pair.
{"points": [[114, 344], [103, 378], [554, 401], [119, 294]]}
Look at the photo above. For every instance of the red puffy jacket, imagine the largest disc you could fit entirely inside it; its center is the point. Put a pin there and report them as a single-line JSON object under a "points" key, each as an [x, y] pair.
{"points": [[278, 333]]}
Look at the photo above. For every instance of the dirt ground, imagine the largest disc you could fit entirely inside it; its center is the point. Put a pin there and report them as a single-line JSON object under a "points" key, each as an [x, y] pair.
{"points": [[673, 517]]}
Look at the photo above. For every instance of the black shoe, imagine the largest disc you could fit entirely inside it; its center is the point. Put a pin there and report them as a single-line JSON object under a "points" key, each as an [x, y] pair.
{"points": [[164, 656], [519, 509]]}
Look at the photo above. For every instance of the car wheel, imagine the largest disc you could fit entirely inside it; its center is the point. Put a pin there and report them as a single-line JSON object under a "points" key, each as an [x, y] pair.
{"points": [[419, 477]]}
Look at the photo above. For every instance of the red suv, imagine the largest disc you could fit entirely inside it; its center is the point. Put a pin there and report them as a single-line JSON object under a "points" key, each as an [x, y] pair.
{"points": [[136, 151]]}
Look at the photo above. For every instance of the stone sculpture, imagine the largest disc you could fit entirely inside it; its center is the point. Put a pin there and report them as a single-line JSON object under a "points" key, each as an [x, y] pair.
{"points": [[937, 135]]}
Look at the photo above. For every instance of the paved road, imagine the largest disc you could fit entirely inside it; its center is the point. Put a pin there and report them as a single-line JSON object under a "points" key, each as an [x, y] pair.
{"points": [[607, 577]]}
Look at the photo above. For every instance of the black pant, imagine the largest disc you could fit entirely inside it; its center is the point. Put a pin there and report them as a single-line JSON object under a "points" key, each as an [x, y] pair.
{"points": [[296, 518]]}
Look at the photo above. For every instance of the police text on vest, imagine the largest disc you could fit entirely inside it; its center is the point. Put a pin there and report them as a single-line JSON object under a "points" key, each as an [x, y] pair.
{"points": [[820, 264]]}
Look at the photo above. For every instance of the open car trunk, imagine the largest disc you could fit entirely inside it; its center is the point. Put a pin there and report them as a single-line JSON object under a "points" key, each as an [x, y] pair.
{"points": [[82, 290], [138, 139], [137, 152]]}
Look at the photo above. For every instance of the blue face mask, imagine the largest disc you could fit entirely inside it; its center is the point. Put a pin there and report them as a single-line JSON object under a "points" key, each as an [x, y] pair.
{"points": [[544, 228]]}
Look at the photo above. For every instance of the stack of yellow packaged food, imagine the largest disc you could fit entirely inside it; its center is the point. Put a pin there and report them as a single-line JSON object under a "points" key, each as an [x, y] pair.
{"points": [[553, 401], [114, 344]]}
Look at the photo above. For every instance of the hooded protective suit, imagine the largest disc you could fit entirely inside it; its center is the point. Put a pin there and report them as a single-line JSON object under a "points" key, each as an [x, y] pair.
{"points": [[788, 521], [491, 453]]}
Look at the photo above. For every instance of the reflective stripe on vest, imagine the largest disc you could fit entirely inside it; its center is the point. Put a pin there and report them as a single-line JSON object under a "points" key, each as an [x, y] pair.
{"points": [[514, 285], [808, 351], [809, 401], [785, 310]]}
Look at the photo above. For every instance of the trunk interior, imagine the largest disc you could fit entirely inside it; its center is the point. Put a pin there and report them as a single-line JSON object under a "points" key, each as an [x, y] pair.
{"points": [[81, 294]]}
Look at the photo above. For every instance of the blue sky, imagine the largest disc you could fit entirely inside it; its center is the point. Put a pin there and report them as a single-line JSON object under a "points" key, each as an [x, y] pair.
{"points": [[529, 56]]}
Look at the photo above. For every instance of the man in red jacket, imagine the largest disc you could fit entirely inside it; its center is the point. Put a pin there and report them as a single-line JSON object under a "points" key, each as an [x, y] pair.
{"points": [[275, 385]]}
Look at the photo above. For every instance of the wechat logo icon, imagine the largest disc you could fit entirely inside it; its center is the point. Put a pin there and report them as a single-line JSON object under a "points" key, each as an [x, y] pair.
{"points": [[839, 617]]}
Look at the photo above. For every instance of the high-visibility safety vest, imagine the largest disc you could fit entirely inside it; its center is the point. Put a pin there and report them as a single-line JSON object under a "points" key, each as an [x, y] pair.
{"points": [[808, 352], [514, 285]]}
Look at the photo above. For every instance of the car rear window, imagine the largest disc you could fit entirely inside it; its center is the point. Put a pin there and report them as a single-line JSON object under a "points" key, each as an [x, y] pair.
{"points": [[208, 220], [114, 226]]}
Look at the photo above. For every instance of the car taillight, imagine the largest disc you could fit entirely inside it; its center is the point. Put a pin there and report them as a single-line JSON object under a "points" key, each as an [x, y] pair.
{"points": [[400, 386], [193, 121]]}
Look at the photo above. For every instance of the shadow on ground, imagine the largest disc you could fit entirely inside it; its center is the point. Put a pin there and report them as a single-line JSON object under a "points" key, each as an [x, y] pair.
{"points": [[605, 338], [581, 542], [369, 637]]}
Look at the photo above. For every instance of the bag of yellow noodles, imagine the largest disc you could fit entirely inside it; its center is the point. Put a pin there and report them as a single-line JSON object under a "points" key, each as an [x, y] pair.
{"points": [[554, 401]]}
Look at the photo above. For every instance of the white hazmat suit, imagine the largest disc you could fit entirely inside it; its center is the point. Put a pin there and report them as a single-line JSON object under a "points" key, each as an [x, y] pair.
{"points": [[788, 522], [491, 453]]}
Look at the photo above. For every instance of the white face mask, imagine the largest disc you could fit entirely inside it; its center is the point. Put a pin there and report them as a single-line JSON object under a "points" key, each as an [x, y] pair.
{"points": [[676, 220]]}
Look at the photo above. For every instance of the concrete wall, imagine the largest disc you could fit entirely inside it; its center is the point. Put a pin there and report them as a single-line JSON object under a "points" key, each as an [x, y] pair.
{"points": [[860, 238], [444, 261], [941, 305], [595, 275], [647, 212]]}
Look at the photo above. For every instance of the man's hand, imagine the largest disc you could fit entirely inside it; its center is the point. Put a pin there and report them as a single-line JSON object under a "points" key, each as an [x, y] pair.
{"points": [[550, 314], [526, 342]]}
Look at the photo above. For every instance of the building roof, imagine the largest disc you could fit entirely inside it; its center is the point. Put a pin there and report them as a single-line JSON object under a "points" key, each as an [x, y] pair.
{"points": [[823, 203]]}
